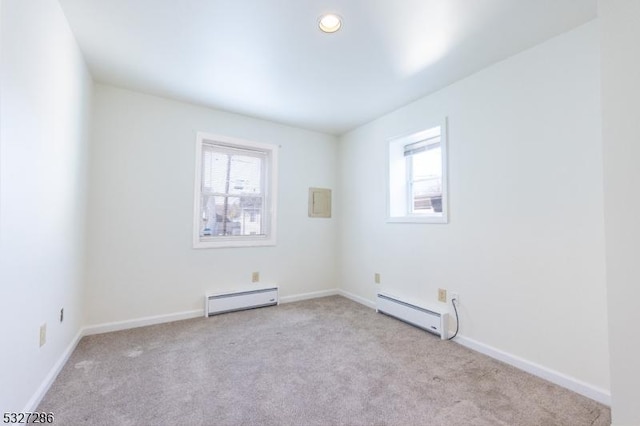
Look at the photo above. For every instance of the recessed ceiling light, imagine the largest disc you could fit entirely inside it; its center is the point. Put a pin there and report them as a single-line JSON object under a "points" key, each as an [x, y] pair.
{"points": [[330, 23]]}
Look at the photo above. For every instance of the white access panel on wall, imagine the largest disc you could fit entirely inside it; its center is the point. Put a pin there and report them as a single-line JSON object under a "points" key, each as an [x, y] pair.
{"points": [[319, 202]]}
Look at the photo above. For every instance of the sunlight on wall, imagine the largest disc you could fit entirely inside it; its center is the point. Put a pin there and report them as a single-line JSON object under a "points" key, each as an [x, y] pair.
{"points": [[415, 40]]}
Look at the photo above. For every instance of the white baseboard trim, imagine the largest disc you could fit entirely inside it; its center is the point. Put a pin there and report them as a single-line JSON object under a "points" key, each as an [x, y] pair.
{"points": [[598, 394], [357, 299], [140, 322], [306, 296], [603, 396], [159, 319], [593, 392], [33, 403]]}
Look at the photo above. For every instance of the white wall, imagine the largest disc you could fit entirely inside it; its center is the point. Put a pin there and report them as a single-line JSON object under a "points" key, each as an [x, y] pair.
{"points": [[44, 114], [524, 247], [620, 32], [525, 243], [141, 261]]}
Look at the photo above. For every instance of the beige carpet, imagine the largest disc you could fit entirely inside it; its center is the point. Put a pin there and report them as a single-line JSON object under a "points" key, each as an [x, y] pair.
{"points": [[325, 361]]}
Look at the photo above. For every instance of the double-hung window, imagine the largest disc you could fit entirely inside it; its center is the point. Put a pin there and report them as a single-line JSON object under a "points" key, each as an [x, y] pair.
{"points": [[417, 177], [235, 194]]}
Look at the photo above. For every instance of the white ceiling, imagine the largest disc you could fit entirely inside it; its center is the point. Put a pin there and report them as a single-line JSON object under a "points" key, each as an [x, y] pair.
{"points": [[268, 59]]}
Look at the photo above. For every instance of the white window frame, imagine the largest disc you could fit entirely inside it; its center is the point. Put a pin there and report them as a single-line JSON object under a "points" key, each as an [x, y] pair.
{"points": [[399, 206], [270, 185]]}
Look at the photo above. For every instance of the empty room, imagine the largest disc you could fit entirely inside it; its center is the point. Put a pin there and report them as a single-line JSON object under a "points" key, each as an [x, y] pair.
{"points": [[260, 212]]}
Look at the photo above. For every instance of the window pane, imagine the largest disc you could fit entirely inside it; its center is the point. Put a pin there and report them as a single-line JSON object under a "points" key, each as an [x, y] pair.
{"points": [[427, 164], [426, 185], [224, 216], [246, 175], [214, 171]]}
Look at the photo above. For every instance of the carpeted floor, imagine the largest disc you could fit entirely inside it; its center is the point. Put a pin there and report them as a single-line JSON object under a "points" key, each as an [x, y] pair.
{"points": [[326, 361]]}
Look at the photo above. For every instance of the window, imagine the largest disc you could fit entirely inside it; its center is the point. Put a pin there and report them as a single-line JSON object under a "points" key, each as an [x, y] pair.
{"points": [[235, 194], [418, 177]]}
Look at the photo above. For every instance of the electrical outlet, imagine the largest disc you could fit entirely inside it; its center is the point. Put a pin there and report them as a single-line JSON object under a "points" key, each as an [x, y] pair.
{"points": [[456, 296], [255, 277], [61, 314], [376, 278], [442, 295], [43, 334]]}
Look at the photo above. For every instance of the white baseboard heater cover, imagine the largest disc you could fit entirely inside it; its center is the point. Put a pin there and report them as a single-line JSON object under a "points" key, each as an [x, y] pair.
{"points": [[431, 320], [220, 303]]}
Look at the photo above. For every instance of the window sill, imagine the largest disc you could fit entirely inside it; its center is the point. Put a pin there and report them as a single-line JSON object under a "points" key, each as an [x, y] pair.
{"points": [[231, 242], [418, 219]]}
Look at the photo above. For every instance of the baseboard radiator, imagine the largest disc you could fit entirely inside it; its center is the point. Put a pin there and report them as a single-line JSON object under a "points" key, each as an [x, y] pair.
{"points": [[220, 303], [431, 320]]}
